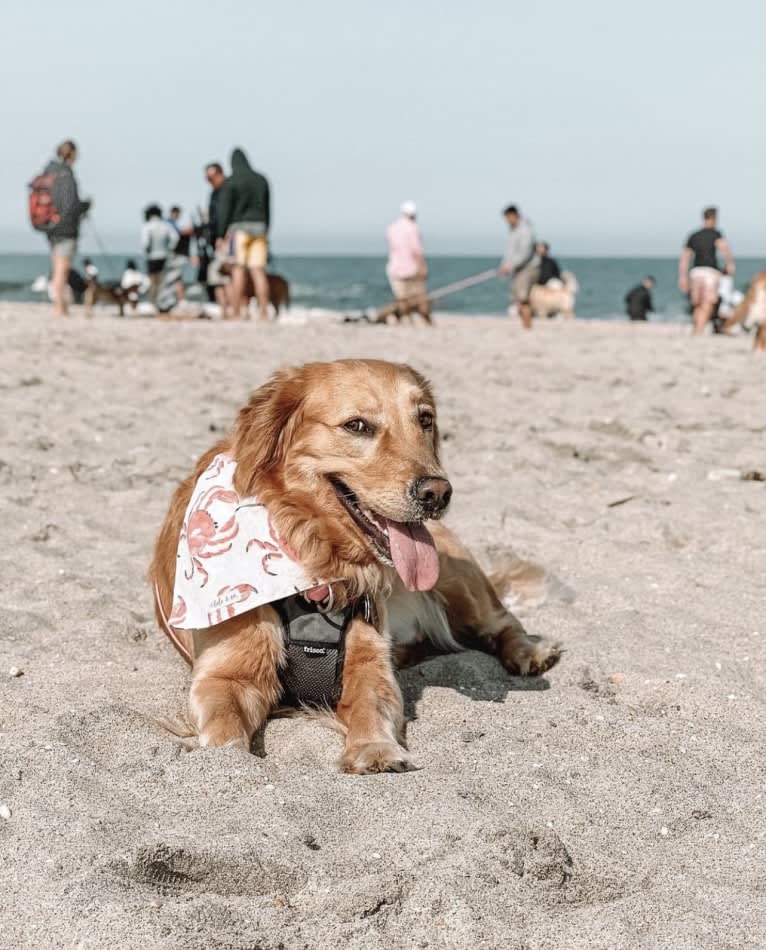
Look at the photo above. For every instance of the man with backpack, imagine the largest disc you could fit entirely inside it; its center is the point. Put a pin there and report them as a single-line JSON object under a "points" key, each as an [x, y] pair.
{"points": [[55, 209]]}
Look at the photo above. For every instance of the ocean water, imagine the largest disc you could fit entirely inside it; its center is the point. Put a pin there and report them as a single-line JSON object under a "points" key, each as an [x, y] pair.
{"points": [[352, 284]]}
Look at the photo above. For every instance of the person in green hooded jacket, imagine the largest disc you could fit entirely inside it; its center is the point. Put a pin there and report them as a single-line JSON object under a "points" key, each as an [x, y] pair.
{"points": [[244, 215]]}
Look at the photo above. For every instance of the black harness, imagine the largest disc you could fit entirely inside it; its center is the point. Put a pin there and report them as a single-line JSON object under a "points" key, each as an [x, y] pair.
{"points": [[315, 638]]}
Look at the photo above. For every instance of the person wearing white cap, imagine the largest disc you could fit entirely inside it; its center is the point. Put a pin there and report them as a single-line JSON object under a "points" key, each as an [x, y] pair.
{"points": [[406, 268]]}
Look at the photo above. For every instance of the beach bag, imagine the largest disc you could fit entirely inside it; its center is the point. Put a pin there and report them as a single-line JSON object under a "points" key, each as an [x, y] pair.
{"points": [[43, 214]]}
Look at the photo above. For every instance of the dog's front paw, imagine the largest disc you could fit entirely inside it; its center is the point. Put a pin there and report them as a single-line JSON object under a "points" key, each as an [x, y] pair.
{"points": [[371, 757], [523, 655]]}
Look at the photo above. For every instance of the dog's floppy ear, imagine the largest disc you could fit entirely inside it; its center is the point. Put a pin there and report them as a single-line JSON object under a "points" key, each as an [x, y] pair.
{"points": [[265, 426]]}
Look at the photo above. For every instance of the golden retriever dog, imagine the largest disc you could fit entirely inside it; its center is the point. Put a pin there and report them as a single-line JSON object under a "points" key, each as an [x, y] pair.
{"points": [[547, 301], [752, 311], [345, 458]]}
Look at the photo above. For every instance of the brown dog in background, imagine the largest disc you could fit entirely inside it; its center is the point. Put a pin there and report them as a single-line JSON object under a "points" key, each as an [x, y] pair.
{"points": [[279, 289], [345, 457], [399, 309], [109, 293]]}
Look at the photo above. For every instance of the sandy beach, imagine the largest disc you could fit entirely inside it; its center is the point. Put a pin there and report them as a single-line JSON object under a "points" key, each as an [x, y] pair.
{"points": [[618, 802]]}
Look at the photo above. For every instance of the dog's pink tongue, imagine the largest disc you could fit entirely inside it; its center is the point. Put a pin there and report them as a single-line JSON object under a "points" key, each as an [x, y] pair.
{"points": [[413, 554]]}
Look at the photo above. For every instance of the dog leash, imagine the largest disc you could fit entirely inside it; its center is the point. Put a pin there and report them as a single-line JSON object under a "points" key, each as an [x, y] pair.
{"points": [[452, 288], [462, 284], [107, 265], [169, 631]]}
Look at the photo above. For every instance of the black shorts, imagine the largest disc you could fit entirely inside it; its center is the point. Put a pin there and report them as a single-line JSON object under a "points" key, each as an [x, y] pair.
{"points": [[155, 267]]}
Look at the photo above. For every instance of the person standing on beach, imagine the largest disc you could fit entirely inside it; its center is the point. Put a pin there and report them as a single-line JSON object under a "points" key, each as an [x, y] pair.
{"points": [[158, 239], [638, 301], [64, 229], [520, 262], [702, 282], [245, 216], [217, 282], [216, 179], [182, 251], [406, 268]]}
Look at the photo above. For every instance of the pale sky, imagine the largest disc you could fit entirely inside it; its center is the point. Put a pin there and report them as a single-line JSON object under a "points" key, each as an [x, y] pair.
{"points": [[610, 124]]}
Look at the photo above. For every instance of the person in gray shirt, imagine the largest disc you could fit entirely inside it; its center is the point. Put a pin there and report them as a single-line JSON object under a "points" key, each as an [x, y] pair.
{"points": [[520, 262], [158, 239]]}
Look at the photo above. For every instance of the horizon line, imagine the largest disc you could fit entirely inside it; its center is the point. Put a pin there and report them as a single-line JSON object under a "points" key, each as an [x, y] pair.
{"points": [[372, 255]]}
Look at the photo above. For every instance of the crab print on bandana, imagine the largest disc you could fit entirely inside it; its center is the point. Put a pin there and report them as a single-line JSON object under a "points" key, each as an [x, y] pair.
{"points": [[230, 556]]}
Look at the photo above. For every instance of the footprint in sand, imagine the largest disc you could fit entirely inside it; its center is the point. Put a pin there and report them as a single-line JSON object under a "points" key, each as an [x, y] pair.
{"points": [[174, 868]]}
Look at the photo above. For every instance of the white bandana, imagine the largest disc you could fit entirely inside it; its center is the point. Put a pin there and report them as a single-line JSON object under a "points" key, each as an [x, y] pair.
{"points": [[230, 557]]}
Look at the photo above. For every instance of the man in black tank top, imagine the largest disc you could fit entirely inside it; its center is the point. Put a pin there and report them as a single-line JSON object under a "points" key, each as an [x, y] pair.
{"points": [[701, 282]]}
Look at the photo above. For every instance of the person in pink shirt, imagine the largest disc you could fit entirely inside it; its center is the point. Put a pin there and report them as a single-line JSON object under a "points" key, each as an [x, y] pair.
{"points": [[406, 268]]}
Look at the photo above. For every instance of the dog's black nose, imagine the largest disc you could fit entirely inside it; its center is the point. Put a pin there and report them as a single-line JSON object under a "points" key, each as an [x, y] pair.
{"points": [[432, 493]]}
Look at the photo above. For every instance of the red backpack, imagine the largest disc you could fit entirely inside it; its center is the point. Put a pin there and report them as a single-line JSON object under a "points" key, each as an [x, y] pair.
{"points": [[43, 213]]}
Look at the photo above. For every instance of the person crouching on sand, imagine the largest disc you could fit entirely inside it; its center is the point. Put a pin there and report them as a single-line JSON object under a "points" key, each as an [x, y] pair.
{"points": [[133, 282], [548, 267], [638, 300]]}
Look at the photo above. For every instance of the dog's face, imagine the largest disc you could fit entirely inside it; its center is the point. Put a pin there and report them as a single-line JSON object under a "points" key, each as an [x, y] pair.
{"points": [[354, 445]]}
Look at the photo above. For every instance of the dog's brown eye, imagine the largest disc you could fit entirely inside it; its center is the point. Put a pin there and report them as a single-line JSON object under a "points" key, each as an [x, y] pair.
{"points": [[426, 420], [358, 427]]}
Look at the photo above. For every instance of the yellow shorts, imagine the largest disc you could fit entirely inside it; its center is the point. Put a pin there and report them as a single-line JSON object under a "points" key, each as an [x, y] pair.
{"points": [[251, 250]]}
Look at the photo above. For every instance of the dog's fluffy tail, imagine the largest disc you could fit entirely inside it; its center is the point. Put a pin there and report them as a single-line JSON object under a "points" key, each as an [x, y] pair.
{"points": [[523, 585], [570, 281]]}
